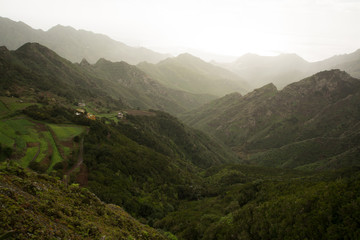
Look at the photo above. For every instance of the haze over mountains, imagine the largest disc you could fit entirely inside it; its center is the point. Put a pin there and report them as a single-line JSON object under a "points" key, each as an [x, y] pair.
{"points": [[74, 45], [281, 161], [183, 72], [287, 68], [191, 74]]}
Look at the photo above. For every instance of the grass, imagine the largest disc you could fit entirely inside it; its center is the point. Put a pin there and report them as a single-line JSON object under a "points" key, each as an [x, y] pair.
{"points": [[44, 146], [3, 109], [67, 151], [18, 132], [20, 125], [111, 116], [55, 157], [6, 130], [66, 132], [5, 140], [29, 156], [14, 104]]}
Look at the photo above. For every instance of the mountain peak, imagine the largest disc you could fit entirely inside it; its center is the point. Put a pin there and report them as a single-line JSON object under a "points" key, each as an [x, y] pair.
{"points": [[3, 49], [4, 52], [331, 84], [32, 47], [84, 62], [328, 76], [61, 28], [268, 90], [188, 57], [38, 52], [102, 61]]}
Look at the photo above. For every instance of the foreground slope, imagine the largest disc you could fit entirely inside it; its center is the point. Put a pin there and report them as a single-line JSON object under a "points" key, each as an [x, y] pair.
{"points": [[311, 121], [74, 45], [191, 74], [146, 163], [38, 206]]}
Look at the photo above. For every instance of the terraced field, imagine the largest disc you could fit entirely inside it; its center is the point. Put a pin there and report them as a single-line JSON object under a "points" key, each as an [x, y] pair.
{"points": [[33, 141]]}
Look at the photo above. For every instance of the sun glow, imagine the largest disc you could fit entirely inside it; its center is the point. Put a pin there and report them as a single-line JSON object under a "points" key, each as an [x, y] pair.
{"points": [[313, 29]]}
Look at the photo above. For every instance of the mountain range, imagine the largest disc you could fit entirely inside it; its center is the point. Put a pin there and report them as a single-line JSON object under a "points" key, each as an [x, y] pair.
{"points": [[284, 69], [73, 44], [103, 149], [191, 74], [311, 123], [115, 85]]}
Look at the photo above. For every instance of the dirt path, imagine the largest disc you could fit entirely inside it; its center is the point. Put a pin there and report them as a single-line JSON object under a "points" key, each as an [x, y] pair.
{"points": [[77, 164]]}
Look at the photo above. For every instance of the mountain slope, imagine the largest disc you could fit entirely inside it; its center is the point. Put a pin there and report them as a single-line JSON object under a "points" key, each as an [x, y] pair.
{"points": [[115, 85], [41, 207], [276, 128], [74, 45], [191, 74], [146, 89]]}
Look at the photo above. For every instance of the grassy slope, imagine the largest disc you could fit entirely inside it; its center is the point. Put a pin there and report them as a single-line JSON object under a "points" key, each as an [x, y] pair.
{"points": [[32, 140], [66, 132]]}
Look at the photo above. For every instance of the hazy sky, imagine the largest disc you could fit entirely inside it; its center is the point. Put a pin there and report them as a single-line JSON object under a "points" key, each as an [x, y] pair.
{"points": [[314, 29]]}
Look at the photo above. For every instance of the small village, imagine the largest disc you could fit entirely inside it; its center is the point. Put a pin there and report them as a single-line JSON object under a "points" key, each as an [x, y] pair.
{"points": [[82, 111]]}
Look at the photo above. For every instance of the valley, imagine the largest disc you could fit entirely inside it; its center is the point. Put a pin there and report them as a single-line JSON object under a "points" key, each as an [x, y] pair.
{"points": [[175, 149]]}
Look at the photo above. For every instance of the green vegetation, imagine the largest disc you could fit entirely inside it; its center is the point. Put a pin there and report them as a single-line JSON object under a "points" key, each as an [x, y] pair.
{"points": [[66, 132], [30, 155], [9, 105], [148, 163], [55, 154], [46, 78], [41, 207], [263, 203], [310, 124], [165, 173]]}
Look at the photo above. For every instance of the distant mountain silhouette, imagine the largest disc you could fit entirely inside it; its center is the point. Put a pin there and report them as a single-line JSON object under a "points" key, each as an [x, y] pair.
{"points": [[287, 68], [73, 44], [188, 73]]}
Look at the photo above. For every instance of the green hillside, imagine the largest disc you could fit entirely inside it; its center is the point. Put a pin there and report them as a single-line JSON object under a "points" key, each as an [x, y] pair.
{"points": [[244, 202], [37, 206], [143, 91], [312, 122], [34, 70], [277, 165], [191, 74]]}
